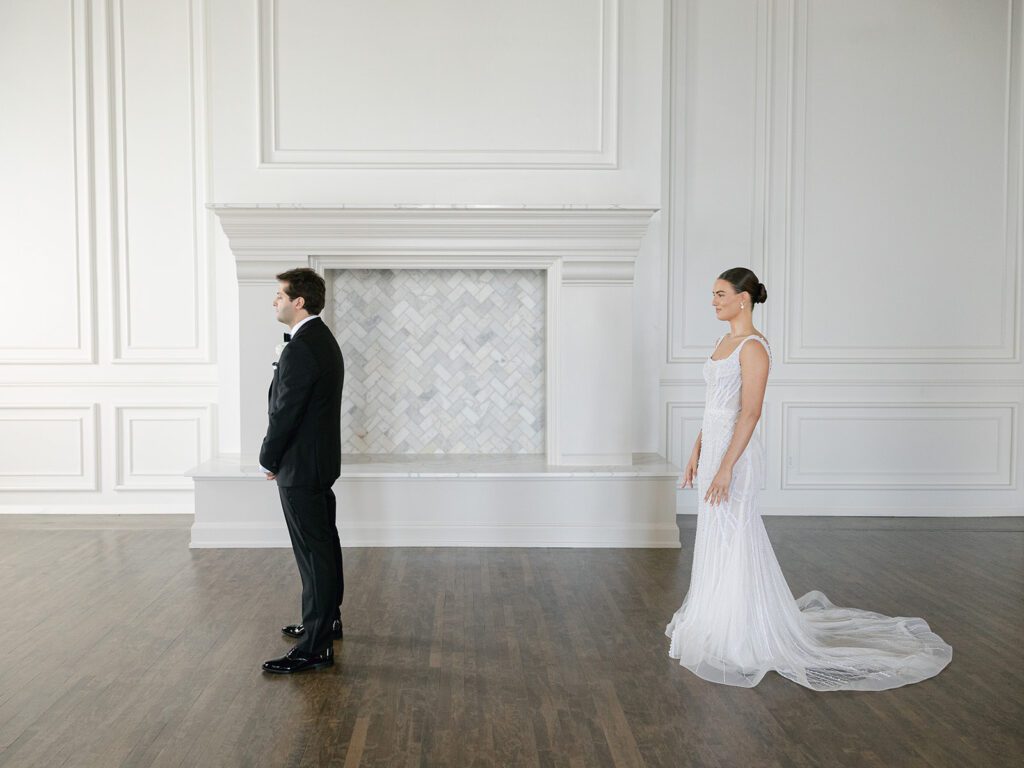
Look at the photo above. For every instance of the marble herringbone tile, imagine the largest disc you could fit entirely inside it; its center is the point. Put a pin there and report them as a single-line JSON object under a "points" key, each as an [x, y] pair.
{"points": [[441, 361]]}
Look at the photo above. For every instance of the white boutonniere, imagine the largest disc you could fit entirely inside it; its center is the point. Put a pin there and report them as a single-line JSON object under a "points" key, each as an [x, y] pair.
{"points": [[277, 352]]}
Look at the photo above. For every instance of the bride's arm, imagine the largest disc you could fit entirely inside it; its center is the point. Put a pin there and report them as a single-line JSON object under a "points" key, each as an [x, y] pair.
{"points": [[691, 466], [754, 379]]}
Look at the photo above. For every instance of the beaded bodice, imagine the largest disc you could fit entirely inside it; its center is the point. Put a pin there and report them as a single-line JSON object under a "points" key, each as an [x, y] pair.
{"points": [[723, 380]]}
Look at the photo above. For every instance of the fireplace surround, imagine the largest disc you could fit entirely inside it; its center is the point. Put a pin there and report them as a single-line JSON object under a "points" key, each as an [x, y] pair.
{"points": [[587, 489]]}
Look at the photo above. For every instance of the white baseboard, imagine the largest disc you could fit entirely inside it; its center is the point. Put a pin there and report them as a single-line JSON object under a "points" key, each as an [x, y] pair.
{"points": [[883, 511], [187, 508]]}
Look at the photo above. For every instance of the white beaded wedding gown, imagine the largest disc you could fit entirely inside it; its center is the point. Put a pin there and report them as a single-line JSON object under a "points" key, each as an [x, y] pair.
{"points": [[739, 619]]}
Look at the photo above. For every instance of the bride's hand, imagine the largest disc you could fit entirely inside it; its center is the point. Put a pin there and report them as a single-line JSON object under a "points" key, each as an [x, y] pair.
{"points": [[689, 474], [718, 491]]}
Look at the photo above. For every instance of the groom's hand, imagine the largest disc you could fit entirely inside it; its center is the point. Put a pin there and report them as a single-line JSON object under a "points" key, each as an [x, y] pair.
{"points": [[271, 476]]}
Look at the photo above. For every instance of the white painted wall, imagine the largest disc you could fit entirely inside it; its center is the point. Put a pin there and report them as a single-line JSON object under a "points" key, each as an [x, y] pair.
{"points": [[864, 158], [109, 381], [486, 102]]}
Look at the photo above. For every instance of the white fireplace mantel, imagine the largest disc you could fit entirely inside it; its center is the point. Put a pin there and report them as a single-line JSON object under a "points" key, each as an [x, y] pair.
{"points": [[588, 256], [593, 244]]}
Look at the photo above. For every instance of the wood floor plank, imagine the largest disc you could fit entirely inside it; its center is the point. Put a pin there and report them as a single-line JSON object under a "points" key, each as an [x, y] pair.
{"points": [[122, 647]]}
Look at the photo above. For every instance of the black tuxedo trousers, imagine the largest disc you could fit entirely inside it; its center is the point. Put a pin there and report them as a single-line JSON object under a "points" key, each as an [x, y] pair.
{"points": [[311, 516]]}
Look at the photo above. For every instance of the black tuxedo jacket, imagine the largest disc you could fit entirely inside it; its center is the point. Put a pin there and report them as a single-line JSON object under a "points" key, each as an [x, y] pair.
{"points": [[303, 442]]}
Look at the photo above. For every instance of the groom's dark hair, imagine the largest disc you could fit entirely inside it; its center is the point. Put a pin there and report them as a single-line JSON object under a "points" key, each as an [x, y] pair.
{"points": [[306, 283]]}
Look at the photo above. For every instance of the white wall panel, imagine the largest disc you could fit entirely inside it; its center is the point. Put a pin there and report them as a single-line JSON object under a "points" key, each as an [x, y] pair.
{"points": [[103, 173], [718, 150], [156, 445], [440, 103], [48, 448], [445, 83], [46, 187], [906, 151], [162, 275], [866, 158], [593, 426], [682, 425], [898, 445]]}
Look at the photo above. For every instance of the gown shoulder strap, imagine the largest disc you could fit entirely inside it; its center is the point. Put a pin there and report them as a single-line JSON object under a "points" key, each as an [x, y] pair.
{"points": [[762, 342]]}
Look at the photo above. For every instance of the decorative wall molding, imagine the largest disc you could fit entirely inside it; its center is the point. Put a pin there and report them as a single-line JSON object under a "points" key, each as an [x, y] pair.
{"points": [[82, 438], [83, 171], [677, 414], [200, 447], [125, 351], [124, 383], [604, 155], [901, 510], [1007, 350], [680, 349], [1003, 446]]}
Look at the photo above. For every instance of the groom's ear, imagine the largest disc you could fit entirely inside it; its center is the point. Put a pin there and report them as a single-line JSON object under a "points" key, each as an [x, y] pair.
{"points": [[300, 302]]}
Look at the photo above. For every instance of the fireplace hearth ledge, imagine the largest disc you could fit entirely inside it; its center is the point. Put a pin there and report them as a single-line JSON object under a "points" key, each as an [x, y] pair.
{"points": [[467, 500]]}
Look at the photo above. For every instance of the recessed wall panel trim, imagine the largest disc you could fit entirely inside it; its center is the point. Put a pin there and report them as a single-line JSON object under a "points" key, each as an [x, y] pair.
{"points": [[899, 445], [84, 246], [998, 344], [739, 246], [60, 443], [192, 344], [603, 154], [180, 436]]}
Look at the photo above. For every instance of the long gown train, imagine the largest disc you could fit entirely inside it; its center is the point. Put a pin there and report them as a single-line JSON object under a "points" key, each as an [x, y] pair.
{"points": [[739, 619]]}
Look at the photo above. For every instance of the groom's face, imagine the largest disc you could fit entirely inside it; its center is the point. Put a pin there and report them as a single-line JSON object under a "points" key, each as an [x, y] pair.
{"points": [[284, 306]]}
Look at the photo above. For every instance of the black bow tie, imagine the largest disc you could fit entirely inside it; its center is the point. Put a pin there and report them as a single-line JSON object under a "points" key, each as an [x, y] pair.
{"points": [[287, 337]]}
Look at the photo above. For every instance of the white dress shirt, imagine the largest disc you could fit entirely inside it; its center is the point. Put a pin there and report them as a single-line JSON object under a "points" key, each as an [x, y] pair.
{"points": [[301, 322]]}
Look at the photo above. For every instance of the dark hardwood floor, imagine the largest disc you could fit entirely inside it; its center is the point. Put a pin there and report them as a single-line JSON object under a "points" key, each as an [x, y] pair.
{"points": [[121, 647]]}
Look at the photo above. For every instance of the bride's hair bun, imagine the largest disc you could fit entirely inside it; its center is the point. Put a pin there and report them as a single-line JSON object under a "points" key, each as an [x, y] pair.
{"points": [[742, 279]]}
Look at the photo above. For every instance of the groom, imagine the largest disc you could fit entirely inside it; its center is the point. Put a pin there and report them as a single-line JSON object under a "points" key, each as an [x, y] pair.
{"points": [[302, 451]]}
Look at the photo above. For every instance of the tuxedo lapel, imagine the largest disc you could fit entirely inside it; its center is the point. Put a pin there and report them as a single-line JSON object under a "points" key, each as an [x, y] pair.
{"points": [[273, 386]]}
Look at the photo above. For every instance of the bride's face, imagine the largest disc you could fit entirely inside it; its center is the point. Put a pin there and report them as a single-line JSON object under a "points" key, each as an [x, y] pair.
{"points": [[725, 300]]}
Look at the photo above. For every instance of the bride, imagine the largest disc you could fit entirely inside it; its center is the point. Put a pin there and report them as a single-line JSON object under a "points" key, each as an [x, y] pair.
{"points": [[739, 619]]}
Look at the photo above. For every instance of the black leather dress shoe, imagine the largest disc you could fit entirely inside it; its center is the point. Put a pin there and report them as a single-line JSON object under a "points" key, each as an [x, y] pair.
{"points": [[297, 630], [296, 661]]}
